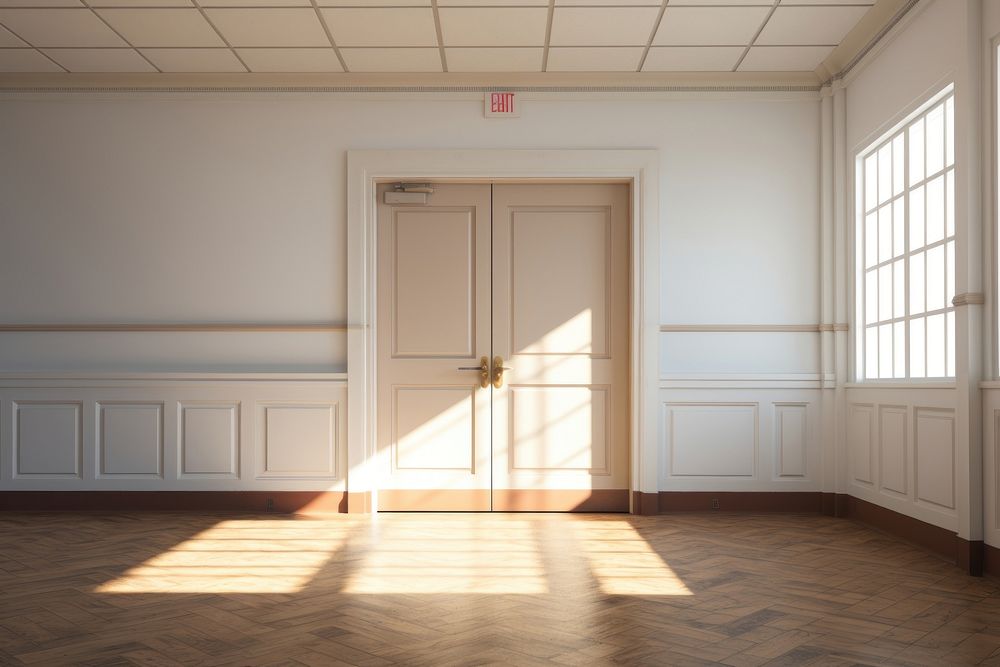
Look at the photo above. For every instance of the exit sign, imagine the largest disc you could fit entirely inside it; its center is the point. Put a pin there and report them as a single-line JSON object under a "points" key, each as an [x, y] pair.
{"points": [[502, 105]]}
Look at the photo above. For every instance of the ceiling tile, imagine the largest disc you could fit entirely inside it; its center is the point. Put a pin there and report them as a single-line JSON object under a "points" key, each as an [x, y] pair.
{"points": [[692, 58], [162, 27], [381, 26], [291, 60], [97, 4], [607, 59], [373, 3], [600, 26], [727, 3], [392, 60], [253, 3], [7, 38], [784, 58], [810, 25], [826, 2], [41, 3], [502, 26], [59, 27], [611, 3], [270, 27], [496, 3], [194, 60], [100, 60], [25, 60], [494, 60], [718, 26]]}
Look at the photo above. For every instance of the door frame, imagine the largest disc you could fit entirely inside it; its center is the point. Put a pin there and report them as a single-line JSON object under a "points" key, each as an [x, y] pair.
{"points": [[366, 168]]}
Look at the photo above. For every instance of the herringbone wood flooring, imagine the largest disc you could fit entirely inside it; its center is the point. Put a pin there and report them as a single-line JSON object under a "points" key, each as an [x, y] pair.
{"points": [[213, 589]]}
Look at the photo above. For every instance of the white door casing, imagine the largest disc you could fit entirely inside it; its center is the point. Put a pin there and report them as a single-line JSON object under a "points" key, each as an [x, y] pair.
{"points": [[637, 167]]}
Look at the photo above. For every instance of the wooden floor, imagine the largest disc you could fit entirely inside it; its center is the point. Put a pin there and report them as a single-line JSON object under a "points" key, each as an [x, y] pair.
{"points": [[197, 589]]}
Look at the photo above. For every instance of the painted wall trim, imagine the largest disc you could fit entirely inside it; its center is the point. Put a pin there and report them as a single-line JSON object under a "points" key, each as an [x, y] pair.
{"points": [[182, 327], [969, 299], [289, 502], [416, 82], [365, 168], [751, 328]]}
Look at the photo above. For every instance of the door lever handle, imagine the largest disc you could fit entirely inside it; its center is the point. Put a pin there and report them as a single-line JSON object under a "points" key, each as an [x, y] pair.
{"points": [[484, 371], [498, 369]]}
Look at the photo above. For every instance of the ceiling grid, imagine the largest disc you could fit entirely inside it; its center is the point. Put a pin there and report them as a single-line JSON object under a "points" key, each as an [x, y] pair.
{"points": [[400, 36]]}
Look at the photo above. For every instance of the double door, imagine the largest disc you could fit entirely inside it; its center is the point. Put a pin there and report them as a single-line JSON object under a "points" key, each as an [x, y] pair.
{"points": [[502, 362]]}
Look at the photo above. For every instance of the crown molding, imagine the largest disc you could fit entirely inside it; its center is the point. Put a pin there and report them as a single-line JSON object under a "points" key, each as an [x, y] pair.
{"points": [[472, 83], [863, 38]]}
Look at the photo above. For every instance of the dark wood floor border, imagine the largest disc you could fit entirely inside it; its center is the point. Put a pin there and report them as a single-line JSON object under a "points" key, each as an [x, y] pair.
{"points": [[741, 501], [645, 504], [122, 501]]}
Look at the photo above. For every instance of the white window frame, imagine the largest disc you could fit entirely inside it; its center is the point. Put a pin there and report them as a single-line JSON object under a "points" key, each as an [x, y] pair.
{"points": [[862, 326]]}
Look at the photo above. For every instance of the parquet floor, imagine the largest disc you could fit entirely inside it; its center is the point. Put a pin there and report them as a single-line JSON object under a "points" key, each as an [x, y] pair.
{"points": [[440, 589]]}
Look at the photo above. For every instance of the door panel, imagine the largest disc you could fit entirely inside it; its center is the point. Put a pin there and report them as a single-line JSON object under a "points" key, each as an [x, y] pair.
{"points": [[560, 315], [540, 278], [434, 315]]}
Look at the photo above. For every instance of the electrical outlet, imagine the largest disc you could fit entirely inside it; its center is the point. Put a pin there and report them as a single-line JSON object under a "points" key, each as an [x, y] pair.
{"points": [[270, 504], [715, 503]]}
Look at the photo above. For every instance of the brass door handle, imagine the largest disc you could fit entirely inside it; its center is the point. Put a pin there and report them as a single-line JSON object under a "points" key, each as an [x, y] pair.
{"points": [[484, 371], [498, 369]]}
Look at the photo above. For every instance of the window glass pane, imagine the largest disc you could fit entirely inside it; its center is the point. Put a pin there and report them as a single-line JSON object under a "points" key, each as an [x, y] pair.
{"points": [[949, 207], [949, 292], [917, 348], [897, 165], [935, 210], [898, 289], [885, 173], [899, 348], [885, 351], [898, 227], [917, 284], [885, 292], [935, 139], [949, 133], [935, 278], [871, 181], [950, 332], [916, 140], [871, 296], [885, 233], [871, 239], [871, 352], [935, 346], [917, 218]]}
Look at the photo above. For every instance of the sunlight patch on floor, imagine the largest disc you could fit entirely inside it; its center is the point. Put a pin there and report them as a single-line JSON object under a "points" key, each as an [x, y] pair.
{"points": [[623, 562], [239, 556], [457, 556]]}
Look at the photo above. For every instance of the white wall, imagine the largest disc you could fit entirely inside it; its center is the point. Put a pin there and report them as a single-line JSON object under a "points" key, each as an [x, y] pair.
{"points": [[231, 208], [912, 449]]}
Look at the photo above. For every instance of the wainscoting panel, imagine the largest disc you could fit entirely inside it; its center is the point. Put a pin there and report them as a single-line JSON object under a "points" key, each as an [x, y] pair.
{"points": [[47, 439], [297, 440], [208, 441], [130, 439], [715, 439], [991, 465], [893, 472], [901, 449], [860, 436], [173, 432], [935, 457], [791, 439]]}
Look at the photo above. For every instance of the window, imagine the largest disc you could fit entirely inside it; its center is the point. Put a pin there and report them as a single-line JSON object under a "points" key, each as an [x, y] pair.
{"points": [[906, 248]]}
